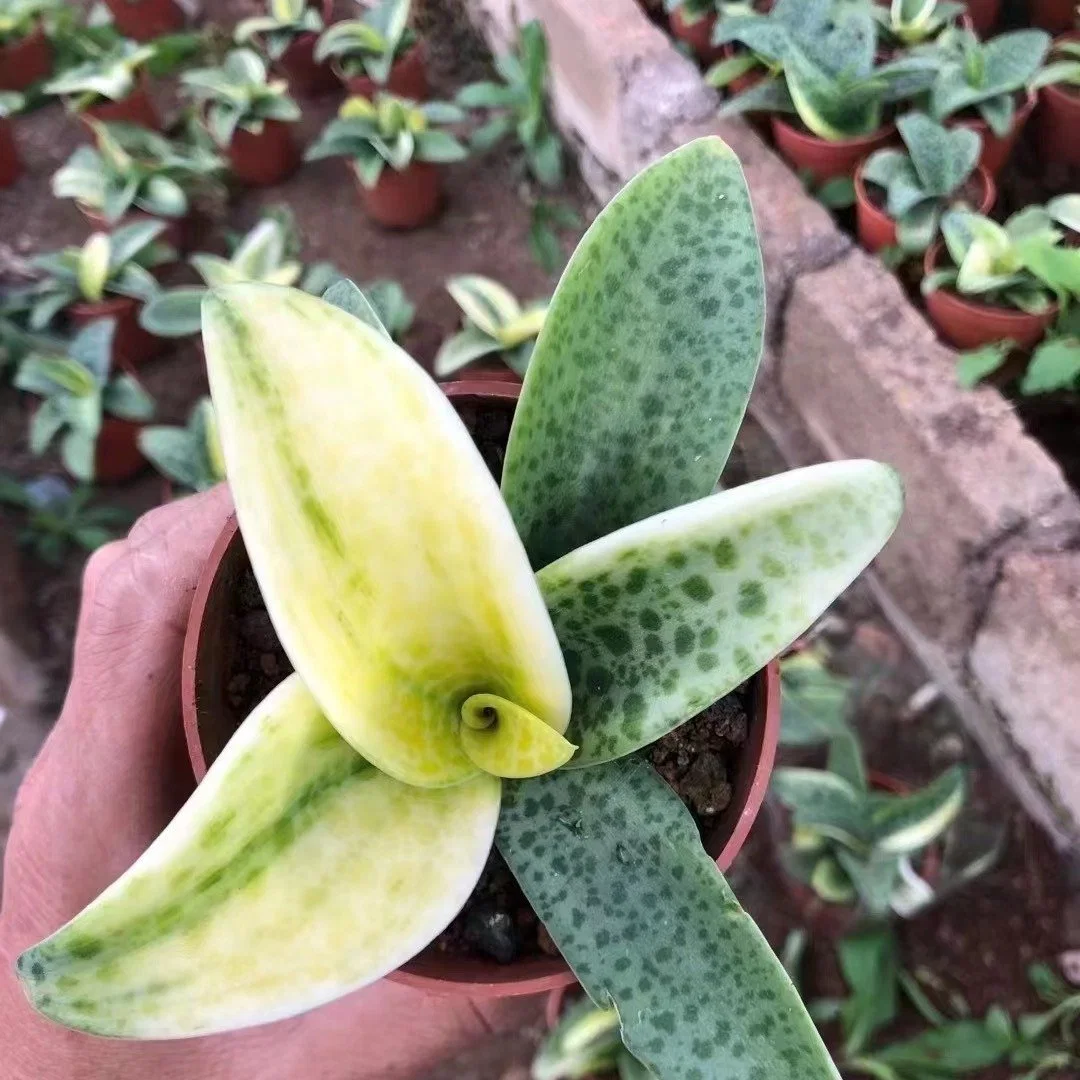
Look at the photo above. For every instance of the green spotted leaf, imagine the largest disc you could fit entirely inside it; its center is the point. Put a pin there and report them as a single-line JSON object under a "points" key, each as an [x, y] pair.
{"points": [[642, 372], [660, 619], [611, 861], [296, 873]]}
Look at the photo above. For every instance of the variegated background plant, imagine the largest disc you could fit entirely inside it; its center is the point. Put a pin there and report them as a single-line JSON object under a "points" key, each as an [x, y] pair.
{"points": [[455, 646]]}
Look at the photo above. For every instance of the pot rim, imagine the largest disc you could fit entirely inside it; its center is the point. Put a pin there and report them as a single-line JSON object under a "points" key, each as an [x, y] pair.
{"points": [[102, 309], [416, 53], [808, 138], [1020, 116], [1055, 89], [535, 974], [862, 194]]}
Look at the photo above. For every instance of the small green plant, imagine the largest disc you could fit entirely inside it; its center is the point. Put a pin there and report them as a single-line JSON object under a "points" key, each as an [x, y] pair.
{"points": [[1063, 68], [984, 76], [915, 22], [391, 304], [494, 322], [18, 18], [133, 168], [58, 518], [17, 338], [389, 132], [189, 456], [110, 75], [78, 389], [920, 184], [239, 94], [117, 264], [518, 107], [266, 253], [284, 22], [369, 45], [1023, 264], [586, 1043]]}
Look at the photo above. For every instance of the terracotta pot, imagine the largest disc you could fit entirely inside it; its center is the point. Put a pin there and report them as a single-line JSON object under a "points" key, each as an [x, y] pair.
{"points": [[136, 108], [117, 456], [209, 723], [10, 165], [178, 232], [698, 35], [307, 77], [822, 159], [404, 200], [984, 15], [1057, 122], [25, 62], [1057, 16], [132, 345], [968, 324], [408, 78], [996, 150], [265, 158], [145, 20], [877, 230]]}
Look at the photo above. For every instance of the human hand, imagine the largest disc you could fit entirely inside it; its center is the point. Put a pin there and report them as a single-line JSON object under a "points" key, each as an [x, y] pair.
{"points": [[109, 778]]}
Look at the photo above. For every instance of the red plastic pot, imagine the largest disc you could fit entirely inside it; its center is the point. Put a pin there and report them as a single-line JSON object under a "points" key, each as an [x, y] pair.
{"points": [[178, 232], [136, 108], [10, 165], [984, 15], [1057, 123], [306, 76], [877, 230], [822, 159], [408, 78], [25, 62], [132, 345], [697, 34], [967, 324], [117, 456], [996, 150], [267, 157], [1057, 16], [145, 20], [209, 723], [404, 200]]}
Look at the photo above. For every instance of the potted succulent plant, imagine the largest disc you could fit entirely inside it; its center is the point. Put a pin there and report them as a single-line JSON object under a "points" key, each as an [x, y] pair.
{"points": [[394, 148], [111, 85], [10, 165], [108, 277], [288, 33], [986, 86], [377, 52], [96, 411], [145, 20], [406, 548], [495, 323], [900, 195], [133, 173], [189, 456], [989, 282], [1054, 16], [266, 253], [249, 116], [25, 53], [828, 79], [1058, 118]]}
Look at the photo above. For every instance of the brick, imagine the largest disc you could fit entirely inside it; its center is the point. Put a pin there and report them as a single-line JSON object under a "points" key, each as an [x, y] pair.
{"points": [[869, 378], [1027, 655]]}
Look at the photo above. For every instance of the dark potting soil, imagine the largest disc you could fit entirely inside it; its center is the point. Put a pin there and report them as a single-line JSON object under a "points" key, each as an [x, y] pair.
{"points": [[971, 193]]}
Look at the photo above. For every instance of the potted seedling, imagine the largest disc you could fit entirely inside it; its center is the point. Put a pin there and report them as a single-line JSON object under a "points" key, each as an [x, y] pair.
{"points": [[829, 81], [901, 194], [394, 149], [249, 116], [25, 53], [987, 86], [10, 165], [377, 52], [991, 282], [1054, 16], [266, 253], [108, 277], [517, 107], [145, 20], [494, 658], [110, 86], [189, 456], [288, 33], [1058, 118], [133, 173], [95, 411], [494, 323]]}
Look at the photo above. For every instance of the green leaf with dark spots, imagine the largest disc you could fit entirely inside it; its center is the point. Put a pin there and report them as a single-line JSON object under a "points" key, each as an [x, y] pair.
{"points": [[641, 375], [611, 861]]}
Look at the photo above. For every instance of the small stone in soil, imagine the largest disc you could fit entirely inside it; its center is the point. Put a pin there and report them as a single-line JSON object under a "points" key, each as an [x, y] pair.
{"points": [[491, 931]]}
